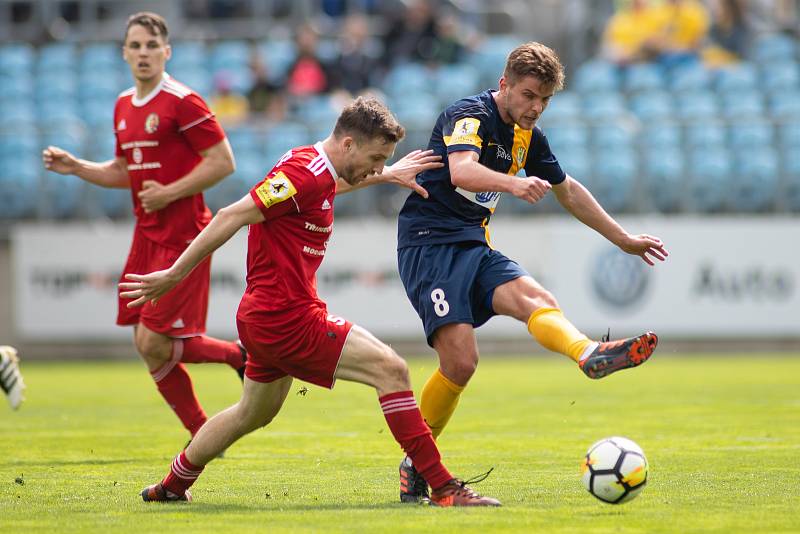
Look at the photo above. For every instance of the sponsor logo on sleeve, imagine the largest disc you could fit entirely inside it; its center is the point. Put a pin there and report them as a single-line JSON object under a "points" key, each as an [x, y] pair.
{"points": [[465, 132], [275, 190]]}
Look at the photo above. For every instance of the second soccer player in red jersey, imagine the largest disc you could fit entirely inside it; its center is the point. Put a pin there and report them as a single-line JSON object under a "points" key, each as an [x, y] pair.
{"points": [[169, 149], [283, 323]]}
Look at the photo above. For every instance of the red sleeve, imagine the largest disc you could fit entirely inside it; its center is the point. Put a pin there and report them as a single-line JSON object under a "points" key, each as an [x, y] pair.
{"points": [[282, 190], [117, 148], [197, 123]]}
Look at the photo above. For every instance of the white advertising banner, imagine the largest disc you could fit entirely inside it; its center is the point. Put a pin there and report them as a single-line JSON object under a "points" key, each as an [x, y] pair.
{"points": [[725, 277]]}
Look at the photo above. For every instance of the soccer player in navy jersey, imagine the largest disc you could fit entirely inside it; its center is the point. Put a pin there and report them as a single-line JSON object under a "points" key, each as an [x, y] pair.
{"points": [[455, 280], [282, 321]]}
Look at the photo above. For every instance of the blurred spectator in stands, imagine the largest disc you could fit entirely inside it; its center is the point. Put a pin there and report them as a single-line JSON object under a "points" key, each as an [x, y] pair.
{"points": [[354, 70], [412, 35], [631, 33], [730, 32], [266, 99], [308, 75], [449, 45], [683, 28], [231, 108]]}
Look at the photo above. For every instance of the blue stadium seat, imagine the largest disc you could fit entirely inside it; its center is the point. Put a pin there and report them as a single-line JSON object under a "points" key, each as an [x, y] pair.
{"points": [[643, 77], [102, 143], [64, 194], [652, 106], [742, 105], [781, 76], [100, 57], [18, 115], [604, 106], [239, 76], [244, 139], [318, 109], [15, 88], [452, 82], [196, 78], [57, 58], [250, 169], [789, 134], [613, 136], [775, 47], [564, 106], [407, 79], [16, 58], [191, 53], [690, 79], [285, 135], [114, 203], [709, 173], [18, 190], [661, 135], [417, 113], [576, 162], [277, 56], [19, 145], [705, 135], [751, 134], [754, 187], [697, 106], [491, 56], [740, 77], [64, 110], [56, 87], [664, 177], [597, 76], [613, 178], [785, 105], [566, 136], [790, 195], [227, 55]]}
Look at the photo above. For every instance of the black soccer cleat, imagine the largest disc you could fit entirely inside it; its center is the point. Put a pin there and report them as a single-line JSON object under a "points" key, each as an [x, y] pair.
{"points": [[413, 488], [611, 356], [158, 493]]}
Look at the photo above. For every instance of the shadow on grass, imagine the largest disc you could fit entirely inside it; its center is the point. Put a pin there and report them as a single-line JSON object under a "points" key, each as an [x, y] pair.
{"points": [[210, 508], [55, 463]]}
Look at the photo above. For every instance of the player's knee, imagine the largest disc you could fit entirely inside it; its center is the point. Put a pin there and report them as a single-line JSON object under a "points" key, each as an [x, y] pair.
{"points": [[395, 370], [152, 347], [461, 369]]}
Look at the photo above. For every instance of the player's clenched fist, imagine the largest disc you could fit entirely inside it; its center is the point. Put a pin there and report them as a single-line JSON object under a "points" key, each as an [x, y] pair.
{"points": [[58, 160], [530, 189]]}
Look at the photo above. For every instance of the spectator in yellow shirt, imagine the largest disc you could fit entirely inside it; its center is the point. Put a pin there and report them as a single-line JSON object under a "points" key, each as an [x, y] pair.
{"points": [[631, 33]]}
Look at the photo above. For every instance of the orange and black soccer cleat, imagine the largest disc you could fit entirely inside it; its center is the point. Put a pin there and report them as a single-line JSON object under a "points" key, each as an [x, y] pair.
{"points": [[413, 488], [457, 493], [158, 493], [611, 356]]}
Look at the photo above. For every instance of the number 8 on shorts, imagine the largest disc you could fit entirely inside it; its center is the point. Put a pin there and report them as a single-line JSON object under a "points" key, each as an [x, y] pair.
{"points": [[440, 306]]}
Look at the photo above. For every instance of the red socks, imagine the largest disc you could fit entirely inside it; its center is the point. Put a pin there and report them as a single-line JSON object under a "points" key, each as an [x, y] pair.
{"points": [[204, 349], [405, 421], [175, 386], [182, 474]]}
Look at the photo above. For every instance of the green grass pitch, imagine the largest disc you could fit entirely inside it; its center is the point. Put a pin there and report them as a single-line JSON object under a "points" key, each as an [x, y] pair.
{"points": [[722, 435]]}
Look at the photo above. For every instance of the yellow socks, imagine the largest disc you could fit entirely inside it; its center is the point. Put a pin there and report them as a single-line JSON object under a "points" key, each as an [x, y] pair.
{"points": [[554, 332], [439, 400]]}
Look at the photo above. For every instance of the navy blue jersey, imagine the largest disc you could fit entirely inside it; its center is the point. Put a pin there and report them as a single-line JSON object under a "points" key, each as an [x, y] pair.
{"points": [[452, 214]]}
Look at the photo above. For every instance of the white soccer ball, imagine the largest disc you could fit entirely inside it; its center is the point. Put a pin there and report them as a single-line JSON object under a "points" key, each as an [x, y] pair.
{"points": [[614, 470]]}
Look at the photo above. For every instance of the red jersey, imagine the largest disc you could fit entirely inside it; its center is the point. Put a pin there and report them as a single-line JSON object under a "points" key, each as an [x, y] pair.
{"points": [[285, 251], [161, 137]]}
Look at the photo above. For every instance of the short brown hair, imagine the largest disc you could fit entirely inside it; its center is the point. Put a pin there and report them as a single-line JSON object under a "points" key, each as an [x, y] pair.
{"points": [[368, 118], [538, 60], [154, 23]]}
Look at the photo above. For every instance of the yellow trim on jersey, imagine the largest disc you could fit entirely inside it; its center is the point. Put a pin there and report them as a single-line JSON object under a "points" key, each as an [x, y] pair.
{"points": [[275, 190], [465, 132], [520, 148]]}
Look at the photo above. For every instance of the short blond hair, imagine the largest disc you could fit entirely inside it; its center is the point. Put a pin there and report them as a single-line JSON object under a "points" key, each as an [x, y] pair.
{"points": [[538, 60]]}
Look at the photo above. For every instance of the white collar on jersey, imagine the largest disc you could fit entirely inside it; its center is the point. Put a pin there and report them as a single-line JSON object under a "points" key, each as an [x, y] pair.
{"points": [[321, 151], [139, 102]]}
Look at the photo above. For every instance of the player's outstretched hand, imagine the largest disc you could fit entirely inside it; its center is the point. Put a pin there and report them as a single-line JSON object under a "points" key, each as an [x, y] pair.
{"points": [[644, 246], [530, 189], [405, 170], [146, 287], [154, 196], [59, 160]]}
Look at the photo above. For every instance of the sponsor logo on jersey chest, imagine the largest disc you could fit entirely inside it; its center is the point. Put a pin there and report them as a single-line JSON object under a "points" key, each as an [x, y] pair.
{"points": [[151, 123]]}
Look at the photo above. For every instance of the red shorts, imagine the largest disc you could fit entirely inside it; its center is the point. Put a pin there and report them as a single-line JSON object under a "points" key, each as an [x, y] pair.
{"points": [[182, 311], [309, 349]]}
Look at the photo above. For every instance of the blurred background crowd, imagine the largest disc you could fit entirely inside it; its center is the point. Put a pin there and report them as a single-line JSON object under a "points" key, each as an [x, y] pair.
{"points": [[678, 106]]}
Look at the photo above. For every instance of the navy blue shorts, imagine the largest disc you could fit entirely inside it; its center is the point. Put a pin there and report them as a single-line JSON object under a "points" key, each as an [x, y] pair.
{"points": [[454, 282]]}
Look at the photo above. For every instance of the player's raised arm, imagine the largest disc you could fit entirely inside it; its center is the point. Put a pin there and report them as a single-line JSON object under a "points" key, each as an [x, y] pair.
{"points": [[403, 173], [112, 173], [217, 163], [146, 287], [467, 173], [577, 200]]}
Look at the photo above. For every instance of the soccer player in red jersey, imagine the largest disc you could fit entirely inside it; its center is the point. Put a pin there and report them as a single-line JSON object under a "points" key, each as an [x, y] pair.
{"points": [[169, 149], [283, 323]]}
